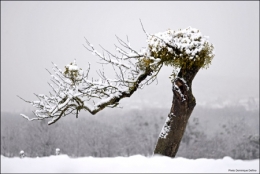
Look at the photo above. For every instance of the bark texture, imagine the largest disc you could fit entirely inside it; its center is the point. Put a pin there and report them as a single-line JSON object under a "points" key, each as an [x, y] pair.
{"points": [[183, 104]]}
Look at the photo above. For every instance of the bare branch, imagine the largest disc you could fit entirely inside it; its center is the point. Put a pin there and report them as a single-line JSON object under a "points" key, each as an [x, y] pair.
{"points": [[24, 99], [143, 28]]}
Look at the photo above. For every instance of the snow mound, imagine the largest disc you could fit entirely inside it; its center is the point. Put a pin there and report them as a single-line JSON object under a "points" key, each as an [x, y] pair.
{"points": [[189, 41], [133, 164]]}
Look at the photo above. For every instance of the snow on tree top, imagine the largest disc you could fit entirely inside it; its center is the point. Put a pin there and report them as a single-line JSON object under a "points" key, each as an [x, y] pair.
{"points": [[72, 66], [73, 71], [185, 44]]}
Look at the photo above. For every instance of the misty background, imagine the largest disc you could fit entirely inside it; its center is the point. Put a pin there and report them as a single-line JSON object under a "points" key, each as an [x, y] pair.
{"points": [[34, 34]]}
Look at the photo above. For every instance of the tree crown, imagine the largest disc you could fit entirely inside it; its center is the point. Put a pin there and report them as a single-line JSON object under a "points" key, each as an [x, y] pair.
{"points": [[183, 48], [73, 89]]}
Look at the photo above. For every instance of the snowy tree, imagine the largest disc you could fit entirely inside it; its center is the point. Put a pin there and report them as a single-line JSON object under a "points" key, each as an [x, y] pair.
{"points": [[186, 50], [57, 151], [22, 154]]}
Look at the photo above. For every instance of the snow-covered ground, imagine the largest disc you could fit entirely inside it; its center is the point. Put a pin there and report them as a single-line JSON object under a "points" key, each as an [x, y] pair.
{"points": [[133, 164]]}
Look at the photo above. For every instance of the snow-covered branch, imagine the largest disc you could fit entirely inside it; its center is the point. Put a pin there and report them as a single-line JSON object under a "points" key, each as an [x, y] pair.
{"points": [[73, 89]]}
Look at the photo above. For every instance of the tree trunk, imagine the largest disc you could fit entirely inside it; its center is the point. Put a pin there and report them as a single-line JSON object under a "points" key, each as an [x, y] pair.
{"points": [[182, 106]]}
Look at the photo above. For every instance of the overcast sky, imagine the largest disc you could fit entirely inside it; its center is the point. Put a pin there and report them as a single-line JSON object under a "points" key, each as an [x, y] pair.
{"points": [[33, 34]]}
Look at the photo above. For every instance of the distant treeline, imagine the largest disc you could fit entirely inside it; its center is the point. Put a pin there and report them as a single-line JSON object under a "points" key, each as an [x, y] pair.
{"points": [[210, 133]]}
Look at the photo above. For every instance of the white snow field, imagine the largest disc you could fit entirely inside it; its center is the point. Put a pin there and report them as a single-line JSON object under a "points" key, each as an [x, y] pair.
{"points": [[133, 164]]}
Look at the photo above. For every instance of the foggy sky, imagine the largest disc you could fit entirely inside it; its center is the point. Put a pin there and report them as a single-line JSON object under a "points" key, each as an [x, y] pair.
{"points": [[33, 34]]}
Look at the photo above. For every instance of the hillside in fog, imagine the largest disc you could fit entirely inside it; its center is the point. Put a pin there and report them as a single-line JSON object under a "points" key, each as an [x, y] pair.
{"points": [[212, 132]]}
